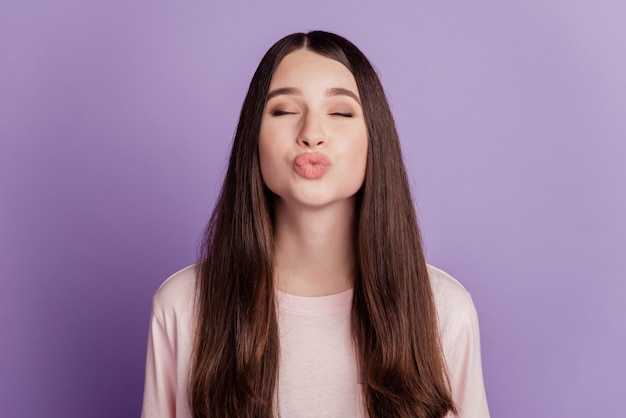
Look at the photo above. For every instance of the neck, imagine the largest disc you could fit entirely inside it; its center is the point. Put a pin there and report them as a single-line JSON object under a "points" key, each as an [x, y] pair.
{"points": [[314, 249]]}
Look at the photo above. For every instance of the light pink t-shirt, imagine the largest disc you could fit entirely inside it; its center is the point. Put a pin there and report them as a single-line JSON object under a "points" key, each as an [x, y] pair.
{"points": [[318, 376]]}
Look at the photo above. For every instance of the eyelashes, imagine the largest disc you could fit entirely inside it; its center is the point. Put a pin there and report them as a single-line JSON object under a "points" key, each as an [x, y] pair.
{"points": [[342, 114], [280, 112]]}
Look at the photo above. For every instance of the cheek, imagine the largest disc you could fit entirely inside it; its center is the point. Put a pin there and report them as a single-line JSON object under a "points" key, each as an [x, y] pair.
{"points": [[269, 161], [361, 164], [363, 150], [361, 146], [265, 147], [266, 163], [356, 151]]}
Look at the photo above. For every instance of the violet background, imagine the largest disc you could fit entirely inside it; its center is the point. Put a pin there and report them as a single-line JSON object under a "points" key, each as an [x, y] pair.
{"points": [[115, 124]]}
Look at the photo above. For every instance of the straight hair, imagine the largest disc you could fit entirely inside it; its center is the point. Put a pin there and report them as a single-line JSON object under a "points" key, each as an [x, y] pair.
{"points": [[234, 367]]}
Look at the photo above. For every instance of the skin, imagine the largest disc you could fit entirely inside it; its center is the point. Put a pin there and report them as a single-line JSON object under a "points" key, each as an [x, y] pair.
{"points": [[313, 107]]}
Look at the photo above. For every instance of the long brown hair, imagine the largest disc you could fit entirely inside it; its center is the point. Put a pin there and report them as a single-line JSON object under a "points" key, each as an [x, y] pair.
{"points": [[394, 319]]}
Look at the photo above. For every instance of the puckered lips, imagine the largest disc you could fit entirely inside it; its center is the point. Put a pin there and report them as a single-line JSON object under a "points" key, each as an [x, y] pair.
{"points": [[311, 165]]}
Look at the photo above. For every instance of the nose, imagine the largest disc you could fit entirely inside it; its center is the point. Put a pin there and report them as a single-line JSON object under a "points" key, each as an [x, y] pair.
{"points": [[311, 133]]}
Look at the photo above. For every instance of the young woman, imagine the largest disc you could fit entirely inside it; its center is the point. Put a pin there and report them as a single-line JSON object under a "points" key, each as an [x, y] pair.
{"points": [[312, 297]]}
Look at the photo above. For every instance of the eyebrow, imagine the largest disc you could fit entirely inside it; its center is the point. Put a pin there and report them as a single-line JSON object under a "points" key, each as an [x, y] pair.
{"points": [[292, 91], [338, 91]]}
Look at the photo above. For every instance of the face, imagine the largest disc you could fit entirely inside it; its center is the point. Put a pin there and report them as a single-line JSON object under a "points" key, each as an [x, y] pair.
{"points": [[313, 140]]}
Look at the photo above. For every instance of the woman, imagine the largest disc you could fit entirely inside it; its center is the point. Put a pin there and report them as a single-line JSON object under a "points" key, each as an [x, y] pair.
{"points": [[312, 297]]}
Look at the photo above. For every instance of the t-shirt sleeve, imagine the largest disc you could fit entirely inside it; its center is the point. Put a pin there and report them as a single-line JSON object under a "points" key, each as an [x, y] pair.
{"points": [[462, 352], [169, 348], [159, 399]]}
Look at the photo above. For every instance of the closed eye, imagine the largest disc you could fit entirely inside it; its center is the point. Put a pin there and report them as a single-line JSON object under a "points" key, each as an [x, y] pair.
{"points": [[342, 114], [279, 112]]}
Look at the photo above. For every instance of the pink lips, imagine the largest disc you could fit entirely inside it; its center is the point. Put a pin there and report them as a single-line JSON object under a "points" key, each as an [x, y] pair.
{"points": [[311, 165]]}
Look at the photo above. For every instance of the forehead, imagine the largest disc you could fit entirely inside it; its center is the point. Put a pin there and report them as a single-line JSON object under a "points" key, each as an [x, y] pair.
{"points": [[304, 68]]}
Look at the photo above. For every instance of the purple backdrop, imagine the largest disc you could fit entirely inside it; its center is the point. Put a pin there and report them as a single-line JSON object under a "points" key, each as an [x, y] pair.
{"points": [[116, 118]]}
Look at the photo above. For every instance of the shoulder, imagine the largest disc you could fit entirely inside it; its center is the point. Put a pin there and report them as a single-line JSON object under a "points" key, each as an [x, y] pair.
{"points": [[170, 344], [176, 294], [460, 341], [448, 292], [454, 304]]}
